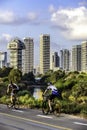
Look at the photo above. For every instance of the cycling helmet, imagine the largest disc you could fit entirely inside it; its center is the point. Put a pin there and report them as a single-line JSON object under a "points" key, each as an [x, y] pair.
{"points": [[49, 83]]}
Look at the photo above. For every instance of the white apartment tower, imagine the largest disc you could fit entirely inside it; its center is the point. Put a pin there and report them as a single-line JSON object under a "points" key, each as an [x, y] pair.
{"points": [[15, 46], [76, 58], [3, 59], [84, 56], [44, 53], [65, 59], [28, 55]]}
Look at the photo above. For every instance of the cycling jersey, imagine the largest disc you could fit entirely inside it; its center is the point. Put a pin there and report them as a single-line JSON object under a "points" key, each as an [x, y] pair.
{"points": [[53, 89], [13, 88]]}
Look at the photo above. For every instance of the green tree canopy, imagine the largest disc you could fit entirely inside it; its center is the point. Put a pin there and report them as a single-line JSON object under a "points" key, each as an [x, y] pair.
{"points": [[4, 71], [29, 77], [15, 75]]}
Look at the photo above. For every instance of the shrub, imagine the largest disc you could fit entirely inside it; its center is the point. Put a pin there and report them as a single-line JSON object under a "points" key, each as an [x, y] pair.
{"points": [[23, 93], [3, 99]]}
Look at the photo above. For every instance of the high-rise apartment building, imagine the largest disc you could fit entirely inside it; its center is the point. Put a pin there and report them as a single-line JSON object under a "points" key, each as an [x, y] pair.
{"points": [[28, 55], [76, 58], [65, 59], [15, 46], [84, 56], [44, 53], [54, 60], [3, 59]]}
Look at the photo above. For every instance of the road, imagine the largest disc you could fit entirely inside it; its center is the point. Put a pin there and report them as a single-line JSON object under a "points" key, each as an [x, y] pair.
{"points": [[32, 119]]}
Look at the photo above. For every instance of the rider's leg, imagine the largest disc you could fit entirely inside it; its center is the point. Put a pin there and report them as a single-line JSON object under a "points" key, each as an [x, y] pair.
{"points": [[14, 100], [11, 100], [13, 103], [49, 102]]}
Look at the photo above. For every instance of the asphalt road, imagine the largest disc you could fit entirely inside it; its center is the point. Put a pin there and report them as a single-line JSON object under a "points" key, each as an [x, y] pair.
{"points": [[32, 119]]}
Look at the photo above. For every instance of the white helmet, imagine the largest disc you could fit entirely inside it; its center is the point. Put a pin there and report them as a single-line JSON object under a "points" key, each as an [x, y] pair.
{"points": [[49, 83]]}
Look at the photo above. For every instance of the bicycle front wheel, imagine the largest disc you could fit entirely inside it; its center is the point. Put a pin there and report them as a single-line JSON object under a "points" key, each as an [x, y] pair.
{"points": [[45, 107], [16, 106], [9, 105]]}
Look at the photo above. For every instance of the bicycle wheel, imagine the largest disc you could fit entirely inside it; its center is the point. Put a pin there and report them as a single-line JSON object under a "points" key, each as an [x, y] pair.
{"points": [[57, 110], [13, 105], [16, 106], [9, 105], [45, 107]]}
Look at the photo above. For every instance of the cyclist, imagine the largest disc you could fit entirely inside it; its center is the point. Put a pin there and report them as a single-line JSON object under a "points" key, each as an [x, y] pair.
{"points": [[12, 89], [51, 92]]}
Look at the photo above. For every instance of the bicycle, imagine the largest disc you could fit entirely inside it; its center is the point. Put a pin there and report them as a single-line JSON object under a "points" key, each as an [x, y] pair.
{"points": [[55, 104], [14, 104]]}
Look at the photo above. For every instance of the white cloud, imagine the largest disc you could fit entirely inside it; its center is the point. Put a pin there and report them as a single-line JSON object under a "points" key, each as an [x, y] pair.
{"points": [[6, 17], [32, 16], [4, 39], [51, 8], [9, 17], [72, 22]]}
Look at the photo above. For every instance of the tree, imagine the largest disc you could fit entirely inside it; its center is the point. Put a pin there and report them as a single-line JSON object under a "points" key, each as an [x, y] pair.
{"points": [[55, 76], [4, 71], [29, 77], [15, 75]]}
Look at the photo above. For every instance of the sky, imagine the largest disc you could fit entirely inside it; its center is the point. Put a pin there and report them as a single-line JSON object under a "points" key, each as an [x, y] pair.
{"points": [[64, 20]]}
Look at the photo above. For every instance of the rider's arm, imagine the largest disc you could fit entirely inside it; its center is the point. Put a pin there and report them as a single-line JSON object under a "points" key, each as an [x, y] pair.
{"points": [[8, 87], [45, 91], [17, 88]]}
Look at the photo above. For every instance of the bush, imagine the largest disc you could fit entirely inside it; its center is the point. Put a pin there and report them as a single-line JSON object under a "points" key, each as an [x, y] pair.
{"points": [[3, 100], [38, 103], [84, 109], [23, 93]]}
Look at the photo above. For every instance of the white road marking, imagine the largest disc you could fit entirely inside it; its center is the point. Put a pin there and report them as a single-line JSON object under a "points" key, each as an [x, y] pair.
{"points": [[45, 116], [17, 110], [79, 123]]}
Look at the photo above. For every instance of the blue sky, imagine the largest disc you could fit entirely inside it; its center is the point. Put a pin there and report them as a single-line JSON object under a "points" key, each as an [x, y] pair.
{"points": [[64, 20]]}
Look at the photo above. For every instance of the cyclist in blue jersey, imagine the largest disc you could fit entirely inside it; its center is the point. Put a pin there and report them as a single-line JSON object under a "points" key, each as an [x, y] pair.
{"points": [[51, 92]]}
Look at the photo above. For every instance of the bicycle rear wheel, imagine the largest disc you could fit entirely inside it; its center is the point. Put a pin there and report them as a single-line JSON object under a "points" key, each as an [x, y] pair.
{"points": [[57, 110], [45, 107]]}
